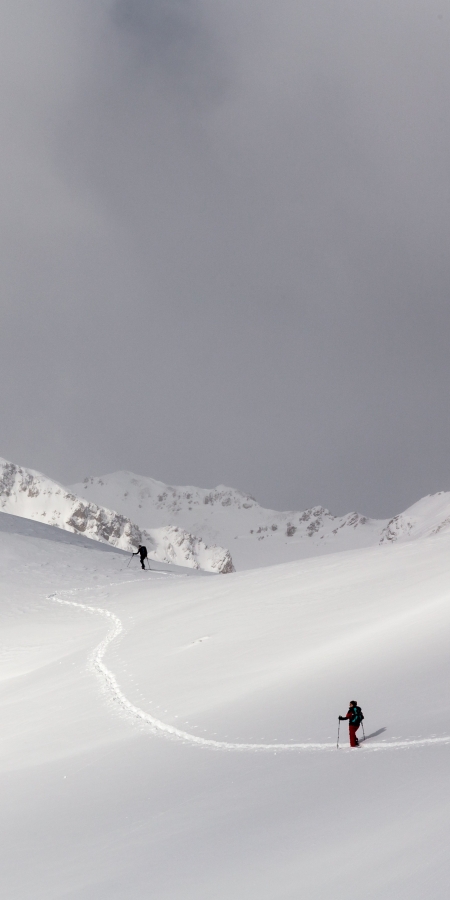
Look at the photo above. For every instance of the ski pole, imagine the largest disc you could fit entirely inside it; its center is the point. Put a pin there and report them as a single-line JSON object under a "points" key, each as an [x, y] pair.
{"points": [[339, 726], [131, 557], [364, 734]]}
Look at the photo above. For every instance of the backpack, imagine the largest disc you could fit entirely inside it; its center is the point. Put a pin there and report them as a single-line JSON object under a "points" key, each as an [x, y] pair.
{"points": [[356, 716]]}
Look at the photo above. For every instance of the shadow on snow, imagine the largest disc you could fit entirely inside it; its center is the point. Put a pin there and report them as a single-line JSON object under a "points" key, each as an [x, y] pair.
{"points": [[374, 734]]}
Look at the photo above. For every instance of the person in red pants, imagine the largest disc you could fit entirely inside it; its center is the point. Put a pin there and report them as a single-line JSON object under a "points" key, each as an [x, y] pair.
{"points": [[355, 717]]}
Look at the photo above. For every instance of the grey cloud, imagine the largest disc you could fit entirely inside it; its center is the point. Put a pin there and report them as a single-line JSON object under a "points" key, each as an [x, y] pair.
{"points": [[224, 246], [172, 37], [160, 30]]}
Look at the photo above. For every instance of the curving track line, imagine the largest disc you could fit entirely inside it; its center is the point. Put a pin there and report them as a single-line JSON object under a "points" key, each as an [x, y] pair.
{"points": [[109, 681]]}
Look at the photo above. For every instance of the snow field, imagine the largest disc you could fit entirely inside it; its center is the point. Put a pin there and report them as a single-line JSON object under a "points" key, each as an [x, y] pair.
{"points": [[110, 683], [98, 805], [266, 656]]}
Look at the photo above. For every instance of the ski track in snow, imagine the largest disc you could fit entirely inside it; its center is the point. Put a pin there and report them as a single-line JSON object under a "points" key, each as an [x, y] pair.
{"points": [[110, 682]]}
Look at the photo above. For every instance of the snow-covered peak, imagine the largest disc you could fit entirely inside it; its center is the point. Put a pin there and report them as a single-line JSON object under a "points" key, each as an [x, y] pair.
{"points": [[122, 484], [428, 516]]}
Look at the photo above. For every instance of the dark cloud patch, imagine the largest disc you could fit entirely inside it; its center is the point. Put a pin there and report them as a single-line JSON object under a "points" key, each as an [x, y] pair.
{"points": [[159, 28], [172, 38]]}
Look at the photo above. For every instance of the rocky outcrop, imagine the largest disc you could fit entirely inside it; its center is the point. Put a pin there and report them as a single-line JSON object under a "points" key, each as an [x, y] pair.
{"points": [[174, 545], [399, 527], [24, 492]]}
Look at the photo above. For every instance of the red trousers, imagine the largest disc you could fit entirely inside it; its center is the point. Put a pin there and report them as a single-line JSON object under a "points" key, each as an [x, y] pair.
{"points": [[352, 729]]}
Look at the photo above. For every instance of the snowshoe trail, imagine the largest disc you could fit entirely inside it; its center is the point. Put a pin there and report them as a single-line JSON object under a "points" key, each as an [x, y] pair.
{"points": [[157, 726]]}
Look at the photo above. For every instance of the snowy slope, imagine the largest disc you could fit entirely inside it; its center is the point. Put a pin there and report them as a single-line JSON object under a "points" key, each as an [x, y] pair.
{"points": [[258, 536], [102, 801], [429, 516], [24, 492]]}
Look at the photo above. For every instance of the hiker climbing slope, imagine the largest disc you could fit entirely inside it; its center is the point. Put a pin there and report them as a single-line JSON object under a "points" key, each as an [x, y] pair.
{"points": [[355, 717], [143, 555]]}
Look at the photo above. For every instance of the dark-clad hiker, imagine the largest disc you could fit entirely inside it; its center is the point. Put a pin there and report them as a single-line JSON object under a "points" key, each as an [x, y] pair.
{"points": [[355, 717], [143, 554]]}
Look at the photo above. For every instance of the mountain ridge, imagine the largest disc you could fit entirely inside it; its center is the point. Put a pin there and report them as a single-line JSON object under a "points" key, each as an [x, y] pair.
{"points": [[257, 536], [30, 494]]}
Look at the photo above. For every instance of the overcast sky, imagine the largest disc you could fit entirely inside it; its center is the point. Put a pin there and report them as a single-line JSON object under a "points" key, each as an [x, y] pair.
{"points": [[225, 235]]}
